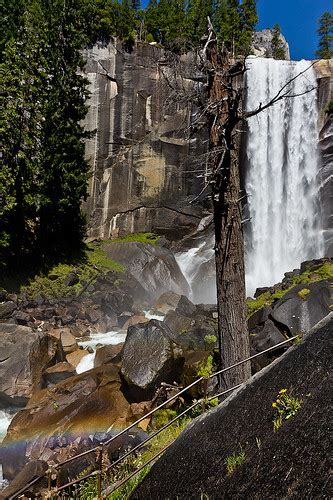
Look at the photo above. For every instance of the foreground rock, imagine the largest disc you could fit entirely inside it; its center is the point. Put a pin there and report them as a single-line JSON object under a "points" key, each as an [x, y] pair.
{"points": [[150, 356], [292, 462], [24, 355]]}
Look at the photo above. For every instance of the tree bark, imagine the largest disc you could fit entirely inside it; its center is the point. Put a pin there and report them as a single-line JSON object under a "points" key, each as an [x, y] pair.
{"points": [[224, 103]]}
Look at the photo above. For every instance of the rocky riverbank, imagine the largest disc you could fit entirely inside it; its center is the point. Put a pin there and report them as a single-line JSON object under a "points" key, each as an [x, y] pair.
{"points": [[45, 339]]}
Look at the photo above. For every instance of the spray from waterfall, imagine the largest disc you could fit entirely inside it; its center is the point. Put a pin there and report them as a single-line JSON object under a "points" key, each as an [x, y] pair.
{"points": [[282, 172]]}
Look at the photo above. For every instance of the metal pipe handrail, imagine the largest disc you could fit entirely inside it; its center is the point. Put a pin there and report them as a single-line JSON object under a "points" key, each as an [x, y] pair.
{"points": [[162, 405], [118, 485]]}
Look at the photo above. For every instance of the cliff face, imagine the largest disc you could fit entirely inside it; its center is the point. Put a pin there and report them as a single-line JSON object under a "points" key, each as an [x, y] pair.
{"points": [[324, 70], [142, 162]]}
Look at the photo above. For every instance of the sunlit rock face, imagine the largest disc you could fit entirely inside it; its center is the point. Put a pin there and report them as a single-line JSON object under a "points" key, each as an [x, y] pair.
{"points": [[145, 163]]}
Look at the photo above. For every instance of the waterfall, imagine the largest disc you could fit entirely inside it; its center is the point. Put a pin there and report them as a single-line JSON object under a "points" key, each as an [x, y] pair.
{"points": [[282, 172]]}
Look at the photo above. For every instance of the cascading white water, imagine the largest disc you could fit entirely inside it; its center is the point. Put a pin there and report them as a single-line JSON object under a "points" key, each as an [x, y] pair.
{"points": [[282, 171]]}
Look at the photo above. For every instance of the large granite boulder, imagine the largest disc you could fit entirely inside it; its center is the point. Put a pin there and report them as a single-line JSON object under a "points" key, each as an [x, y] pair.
{"points": [[262, 44], [154, 266], [303, 306], [150, 356], [91, 401], [24, 355]]}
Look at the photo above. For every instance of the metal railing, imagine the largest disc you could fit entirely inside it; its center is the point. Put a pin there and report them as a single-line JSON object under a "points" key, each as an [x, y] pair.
{"points": [[52, 473]]}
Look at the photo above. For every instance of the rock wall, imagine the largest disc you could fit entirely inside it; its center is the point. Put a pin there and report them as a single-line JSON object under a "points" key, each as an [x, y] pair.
{"points": [[143, 163], [324, 69]]}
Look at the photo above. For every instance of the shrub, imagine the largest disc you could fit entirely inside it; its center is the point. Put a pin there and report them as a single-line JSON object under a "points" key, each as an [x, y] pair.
{"points": [[285, 406]]}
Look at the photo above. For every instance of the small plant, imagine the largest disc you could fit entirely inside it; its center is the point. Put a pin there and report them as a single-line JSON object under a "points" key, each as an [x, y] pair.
{"points": [[206, 367], [285, 406], [258, 443], [304, 293], [210, 339], [297, 340], [162, 417], [234, 460]]}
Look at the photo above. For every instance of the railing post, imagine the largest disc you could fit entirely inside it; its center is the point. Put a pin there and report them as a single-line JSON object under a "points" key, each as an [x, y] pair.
{"points": [[52, 475], [99, 475], [205, 388]]}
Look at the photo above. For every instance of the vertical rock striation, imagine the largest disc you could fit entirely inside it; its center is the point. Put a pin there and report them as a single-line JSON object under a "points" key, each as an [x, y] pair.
{"points": [[144, 165]]}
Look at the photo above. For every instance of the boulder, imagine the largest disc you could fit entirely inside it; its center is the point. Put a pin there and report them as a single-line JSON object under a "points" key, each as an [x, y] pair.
{"points": [[115, 301], [269, 336], [198, 333], [21, 317], [150, 356], [30, 471], [166, 301], [82, 404], [135, 320], [259, 317], [298, 314], [74, 358], [185, 307], [153, 266], [107, 354], [67, 340], [7, 308], [25, 354], [58, 372]]}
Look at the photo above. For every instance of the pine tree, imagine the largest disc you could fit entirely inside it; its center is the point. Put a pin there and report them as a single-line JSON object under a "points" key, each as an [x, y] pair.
{"points": [[278, 51], [198, 11], [64, 171], [23, 76], [249, 19], [325, 31]]}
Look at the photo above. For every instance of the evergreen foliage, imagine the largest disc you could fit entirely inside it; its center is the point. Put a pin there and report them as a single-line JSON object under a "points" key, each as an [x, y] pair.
{"points": [[43, 176], [277, 46], [325, 32]]}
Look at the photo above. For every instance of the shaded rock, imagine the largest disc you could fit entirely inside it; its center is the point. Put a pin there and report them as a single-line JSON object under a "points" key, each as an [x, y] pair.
{"points": [[299, 315], [166, 301], [259, 317], [155, 267], [117, 302], [21, 317], [192, 333], [124, 318], [107, 354], [6, 309], [150, 356], [24, 355], [32, 470], [269, 336], [71, 279], [135, 320], [58, 372], [186, 307]]}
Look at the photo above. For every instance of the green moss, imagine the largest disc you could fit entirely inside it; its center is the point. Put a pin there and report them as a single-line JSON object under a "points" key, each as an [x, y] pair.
{"points": [[149, 238], [303, 293], [162, 417], [206, 368], [312, 275], [253, 305], [87, 268]]}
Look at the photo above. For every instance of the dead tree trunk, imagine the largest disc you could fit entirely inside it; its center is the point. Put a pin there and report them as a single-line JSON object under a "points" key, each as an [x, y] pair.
{"points": [[224, 104]]}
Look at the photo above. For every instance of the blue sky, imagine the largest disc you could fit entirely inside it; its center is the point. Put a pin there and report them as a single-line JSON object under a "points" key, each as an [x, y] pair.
{"points": [[298, 21]]}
